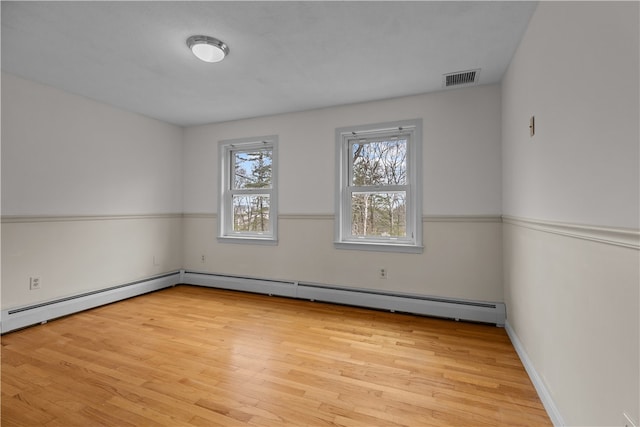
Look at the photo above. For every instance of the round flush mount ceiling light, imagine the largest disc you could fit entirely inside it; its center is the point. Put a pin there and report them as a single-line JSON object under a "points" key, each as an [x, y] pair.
{"points": [[208, 49]]}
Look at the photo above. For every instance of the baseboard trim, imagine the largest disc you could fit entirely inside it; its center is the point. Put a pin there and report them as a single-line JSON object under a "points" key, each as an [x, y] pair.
{"points": [[458, 309], [541, 388], [21, 317]]}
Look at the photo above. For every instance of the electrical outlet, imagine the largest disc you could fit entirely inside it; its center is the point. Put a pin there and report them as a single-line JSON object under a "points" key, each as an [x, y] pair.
{"points": [[34, 283], [382, 273], [202, 259], [532, 126]]}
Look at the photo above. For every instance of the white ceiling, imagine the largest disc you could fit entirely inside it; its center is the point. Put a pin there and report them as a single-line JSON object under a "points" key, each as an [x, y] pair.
{"points": [[284, 56]]}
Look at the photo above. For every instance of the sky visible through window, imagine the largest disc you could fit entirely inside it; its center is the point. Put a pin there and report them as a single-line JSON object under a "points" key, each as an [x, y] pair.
{"points": [[252, 169]]}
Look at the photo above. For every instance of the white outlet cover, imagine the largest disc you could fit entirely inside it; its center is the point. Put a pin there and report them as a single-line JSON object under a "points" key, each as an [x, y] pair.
{"points": [[34, 283]]}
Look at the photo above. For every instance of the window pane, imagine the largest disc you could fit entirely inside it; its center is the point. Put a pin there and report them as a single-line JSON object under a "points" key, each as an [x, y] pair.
{"points": [[382, 162], [251, 213], [379, 214], [252, 169]]}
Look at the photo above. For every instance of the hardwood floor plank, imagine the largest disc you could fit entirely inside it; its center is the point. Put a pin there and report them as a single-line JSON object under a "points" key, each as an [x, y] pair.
{"points": [[18, 411], [205, 357]]}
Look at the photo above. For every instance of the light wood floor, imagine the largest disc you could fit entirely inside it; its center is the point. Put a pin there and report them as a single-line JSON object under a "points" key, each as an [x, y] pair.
{"points": [[190, 356]]}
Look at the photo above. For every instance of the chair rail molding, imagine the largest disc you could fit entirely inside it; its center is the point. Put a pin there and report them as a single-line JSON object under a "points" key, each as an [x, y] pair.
{"points": [[618, 236]]}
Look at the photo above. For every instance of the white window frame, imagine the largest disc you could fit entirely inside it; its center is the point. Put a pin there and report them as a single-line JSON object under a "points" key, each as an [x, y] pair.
{"points": [[226, 192], [345, 137]]}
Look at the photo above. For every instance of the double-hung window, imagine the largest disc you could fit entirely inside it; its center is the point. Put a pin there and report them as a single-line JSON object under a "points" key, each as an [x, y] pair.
{"points": [[248, 209], [378, 196]]}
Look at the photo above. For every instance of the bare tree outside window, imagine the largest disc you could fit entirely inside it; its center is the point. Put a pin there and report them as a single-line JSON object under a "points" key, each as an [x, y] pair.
{"points": [[378, 187], [248, 209], [252, 170], [377, 166]]}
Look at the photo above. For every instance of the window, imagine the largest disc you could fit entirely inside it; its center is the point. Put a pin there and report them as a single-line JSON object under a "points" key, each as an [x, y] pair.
{"points": [[378, 199], [248, 190]]}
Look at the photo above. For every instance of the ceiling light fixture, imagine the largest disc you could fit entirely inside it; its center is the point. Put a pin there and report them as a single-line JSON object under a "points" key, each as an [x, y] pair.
{"points": [[208, 49]]}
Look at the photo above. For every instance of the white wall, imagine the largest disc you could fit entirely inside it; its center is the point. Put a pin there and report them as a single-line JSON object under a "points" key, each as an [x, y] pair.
{"points": [[461, 177], [66, 158], [68, 155], [573, 302], [576, 71], [461, 167]]}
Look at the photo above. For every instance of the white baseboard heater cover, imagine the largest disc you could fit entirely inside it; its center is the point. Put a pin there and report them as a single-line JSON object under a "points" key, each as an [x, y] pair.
{"points": [[21, 317], [475, 311]]}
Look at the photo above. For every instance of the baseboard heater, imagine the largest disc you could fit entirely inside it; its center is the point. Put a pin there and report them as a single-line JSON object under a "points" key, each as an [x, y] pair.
{"points": [[475, 311], [21, 317]]}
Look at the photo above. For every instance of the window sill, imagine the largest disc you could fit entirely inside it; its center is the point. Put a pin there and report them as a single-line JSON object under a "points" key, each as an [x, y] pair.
{"points": [[380, 247], [248, 240]]}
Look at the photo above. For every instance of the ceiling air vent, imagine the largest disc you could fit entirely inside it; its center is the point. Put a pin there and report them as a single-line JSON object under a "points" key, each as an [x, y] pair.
{"points": [[460, 78]]}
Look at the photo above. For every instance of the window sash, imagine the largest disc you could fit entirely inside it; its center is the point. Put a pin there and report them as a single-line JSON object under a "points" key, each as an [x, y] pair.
{"points": [[265, 147], [377, 188], [379, 136], [234, 231], [348, 230], [382, 220], [228, 190], [346, 138]]}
